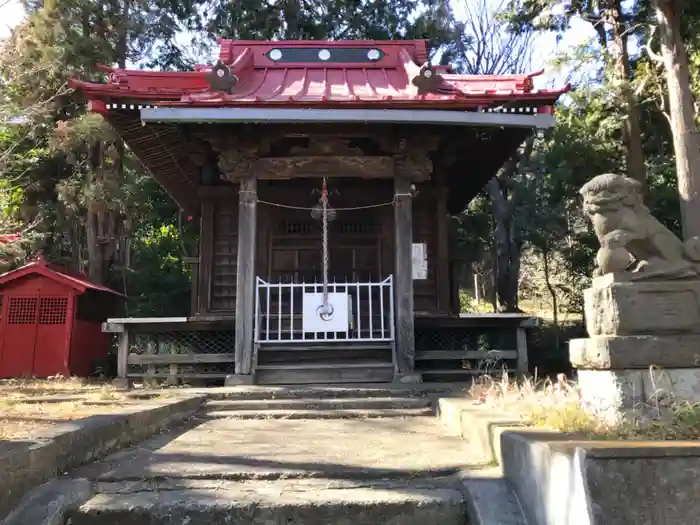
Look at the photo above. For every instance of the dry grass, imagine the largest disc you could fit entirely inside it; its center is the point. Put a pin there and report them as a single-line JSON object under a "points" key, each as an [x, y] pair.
{"points": [[30, 406], [557, 405]]}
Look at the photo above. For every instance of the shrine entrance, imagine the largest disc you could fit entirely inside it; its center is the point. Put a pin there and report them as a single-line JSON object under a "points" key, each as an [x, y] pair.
{"points": [[345, 272]]}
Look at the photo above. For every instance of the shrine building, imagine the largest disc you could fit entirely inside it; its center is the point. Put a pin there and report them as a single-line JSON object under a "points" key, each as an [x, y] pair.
{"points": [[323, 175]]}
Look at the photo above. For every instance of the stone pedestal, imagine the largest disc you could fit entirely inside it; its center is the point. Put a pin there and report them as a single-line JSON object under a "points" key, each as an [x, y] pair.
{"points": [[643, 344]]}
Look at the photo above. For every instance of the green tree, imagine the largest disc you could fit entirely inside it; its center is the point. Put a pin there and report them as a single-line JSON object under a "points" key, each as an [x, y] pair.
{"points": [[615, 24], [681, 111], [432, 20]]}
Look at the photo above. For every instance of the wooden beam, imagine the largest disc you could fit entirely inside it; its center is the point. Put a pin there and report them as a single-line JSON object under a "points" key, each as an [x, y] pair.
{"points": [[266, 115], [403, 276], [179, 359], [429, 355], [245, 279], [218, 192], [307, 166]]}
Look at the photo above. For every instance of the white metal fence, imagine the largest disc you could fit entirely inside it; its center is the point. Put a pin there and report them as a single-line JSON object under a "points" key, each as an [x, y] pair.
{"points": [[279, 312]]}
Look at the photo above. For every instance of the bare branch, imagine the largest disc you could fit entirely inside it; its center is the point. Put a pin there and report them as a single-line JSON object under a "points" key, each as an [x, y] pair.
{"points": [[490, 48], [647, 47]]}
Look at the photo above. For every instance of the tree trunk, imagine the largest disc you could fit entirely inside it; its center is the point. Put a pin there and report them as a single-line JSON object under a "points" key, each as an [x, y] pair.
{"points": [[632, 131], [506, 248], [506, 245], [552, 291], [686, 141]]}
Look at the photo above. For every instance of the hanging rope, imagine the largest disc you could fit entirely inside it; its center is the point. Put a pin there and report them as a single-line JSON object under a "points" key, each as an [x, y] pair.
{"points": [[304, 208], [324, 217]]}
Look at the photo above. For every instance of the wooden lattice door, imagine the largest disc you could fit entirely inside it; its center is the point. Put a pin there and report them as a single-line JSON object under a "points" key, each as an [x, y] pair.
{"points": [[35, 336], [19, 336], [354, 250]]}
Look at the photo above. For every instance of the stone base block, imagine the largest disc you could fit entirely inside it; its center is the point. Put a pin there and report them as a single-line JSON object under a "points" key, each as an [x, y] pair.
{"points": [[239, 379], [408, 379], [618, 307], [604, 390], [121, 383], [642, 351]]}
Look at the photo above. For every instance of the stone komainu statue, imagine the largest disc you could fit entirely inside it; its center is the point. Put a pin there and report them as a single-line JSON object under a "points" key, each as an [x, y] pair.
{"points": [[631, 239]]}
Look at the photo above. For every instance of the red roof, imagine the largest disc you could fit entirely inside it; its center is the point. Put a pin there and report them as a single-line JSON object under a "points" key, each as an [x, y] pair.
{"points": [[57, 273], [320, 73]]}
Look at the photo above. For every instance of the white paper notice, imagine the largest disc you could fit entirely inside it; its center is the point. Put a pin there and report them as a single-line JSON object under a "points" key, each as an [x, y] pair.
{"points": [[314, 319], [419, 256]]}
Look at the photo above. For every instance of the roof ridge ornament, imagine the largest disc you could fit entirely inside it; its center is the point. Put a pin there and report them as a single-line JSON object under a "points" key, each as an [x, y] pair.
{"points": [[428, 80], [220, 78]]}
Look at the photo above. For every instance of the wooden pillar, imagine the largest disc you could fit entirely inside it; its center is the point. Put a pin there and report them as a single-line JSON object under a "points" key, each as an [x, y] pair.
{"points": [[443, 250], [193, 263], [403, 276], [522, 366], [245, 279], [122, 379]]}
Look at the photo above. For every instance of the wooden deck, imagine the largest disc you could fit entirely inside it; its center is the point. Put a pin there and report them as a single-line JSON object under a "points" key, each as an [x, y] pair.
{"points": [[448, 348]]}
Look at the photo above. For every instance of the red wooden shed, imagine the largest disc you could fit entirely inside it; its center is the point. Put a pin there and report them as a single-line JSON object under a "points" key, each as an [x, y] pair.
{"points": [[50, 322]]}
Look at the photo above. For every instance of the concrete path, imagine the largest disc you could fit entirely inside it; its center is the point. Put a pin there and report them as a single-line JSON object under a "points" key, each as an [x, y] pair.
{"points": [[292, 472]]}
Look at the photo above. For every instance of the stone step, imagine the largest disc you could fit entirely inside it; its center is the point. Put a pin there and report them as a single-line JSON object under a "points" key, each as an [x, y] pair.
{"points": [[300, 374], [326, 391], [256, 502], [492, 502], [321, 414], [311, 403]]}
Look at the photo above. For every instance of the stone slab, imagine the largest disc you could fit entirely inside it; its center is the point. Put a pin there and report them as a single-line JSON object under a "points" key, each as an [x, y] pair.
{"points": [[560, 481], [272, 449], [67, 445], [640, 351], [643, 307], [239, 379], [288, 502], [48, 503], [605, 390], [320, 403]]}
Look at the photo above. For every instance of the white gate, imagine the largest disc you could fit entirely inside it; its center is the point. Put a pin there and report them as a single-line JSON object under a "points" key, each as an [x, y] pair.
{"points": [[279, 312]]}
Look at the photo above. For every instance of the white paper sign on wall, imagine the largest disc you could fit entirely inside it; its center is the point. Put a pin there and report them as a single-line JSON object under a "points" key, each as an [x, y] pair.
{"points": [[313, 318], [419, 258]]}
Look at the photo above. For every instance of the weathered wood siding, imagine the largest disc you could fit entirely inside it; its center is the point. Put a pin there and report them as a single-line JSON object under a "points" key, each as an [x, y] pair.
{"points": [[223, 283], [219, 250]]}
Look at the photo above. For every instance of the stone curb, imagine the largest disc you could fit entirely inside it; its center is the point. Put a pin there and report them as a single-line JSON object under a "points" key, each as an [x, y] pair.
{"points": [[68, 445], [560, 479], [479, 425]]}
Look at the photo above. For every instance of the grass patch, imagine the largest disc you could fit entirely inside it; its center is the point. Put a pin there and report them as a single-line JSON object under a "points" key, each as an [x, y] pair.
{"points": [[556, 404], [29, 406]]}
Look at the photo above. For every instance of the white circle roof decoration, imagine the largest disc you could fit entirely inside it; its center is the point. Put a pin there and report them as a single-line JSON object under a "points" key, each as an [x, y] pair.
{"points": [[275, 54], [324, 54]]}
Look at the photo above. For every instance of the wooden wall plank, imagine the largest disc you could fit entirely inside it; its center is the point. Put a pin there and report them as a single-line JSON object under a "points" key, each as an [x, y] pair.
{"points": [[206, 242]]}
